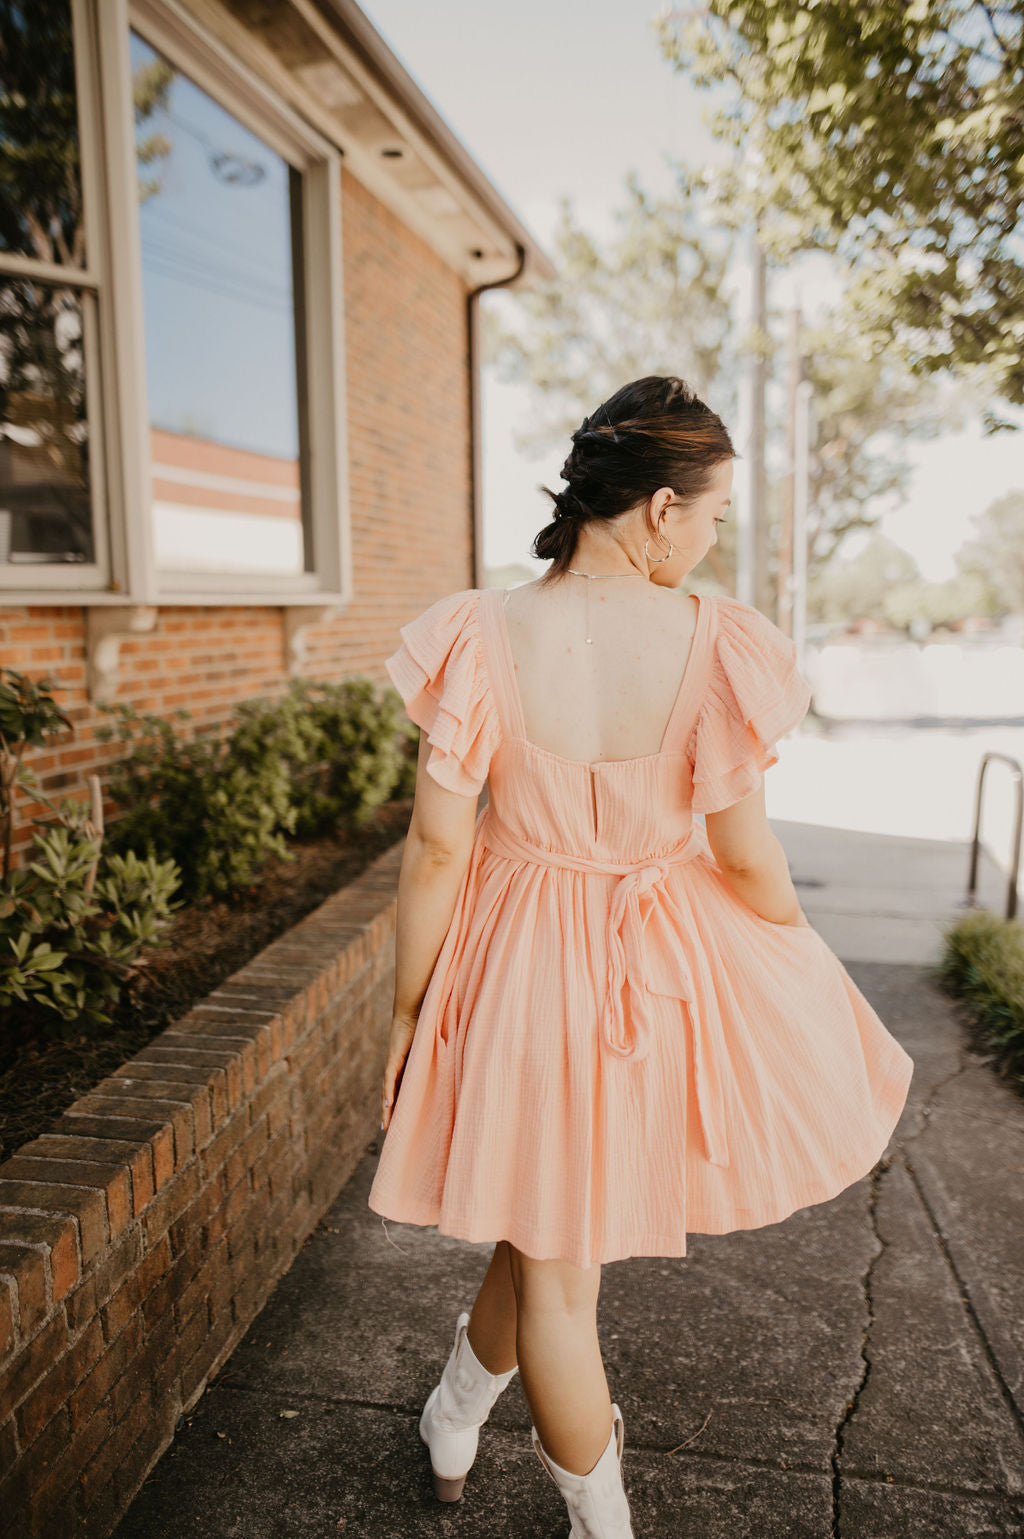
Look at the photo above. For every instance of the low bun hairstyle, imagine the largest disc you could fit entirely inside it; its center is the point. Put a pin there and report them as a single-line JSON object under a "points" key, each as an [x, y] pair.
{"points": [[653, 432]]}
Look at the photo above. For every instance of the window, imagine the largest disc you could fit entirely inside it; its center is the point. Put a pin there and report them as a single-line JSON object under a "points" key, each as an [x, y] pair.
{"points": [[50, 481], [220, 216], [170, 425]]}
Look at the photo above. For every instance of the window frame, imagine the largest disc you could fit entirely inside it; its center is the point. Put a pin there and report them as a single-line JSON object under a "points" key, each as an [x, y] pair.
{"points": [[117, 396], [89, 282]]}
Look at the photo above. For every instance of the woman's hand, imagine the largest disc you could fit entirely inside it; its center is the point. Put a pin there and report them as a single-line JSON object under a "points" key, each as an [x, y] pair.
{"points": [[403, 1030]]}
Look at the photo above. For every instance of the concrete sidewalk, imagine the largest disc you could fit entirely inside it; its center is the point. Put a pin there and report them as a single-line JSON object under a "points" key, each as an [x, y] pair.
{"points": [[856, 1371]]}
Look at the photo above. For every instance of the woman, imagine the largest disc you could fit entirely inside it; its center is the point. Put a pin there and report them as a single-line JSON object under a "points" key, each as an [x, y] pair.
{"points": [[612, 1026]]}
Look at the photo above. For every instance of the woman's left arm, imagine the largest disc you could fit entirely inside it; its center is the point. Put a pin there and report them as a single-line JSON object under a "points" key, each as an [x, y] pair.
{"points": [[434, 861]]}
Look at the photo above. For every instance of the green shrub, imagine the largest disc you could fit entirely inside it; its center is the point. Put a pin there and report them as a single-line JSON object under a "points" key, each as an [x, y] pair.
{"points": [[220, 818], [343, 747], [322, 756], [408, 745], [66, 948], [29, 716], [199, 816], [74, 919], [983, 964]]}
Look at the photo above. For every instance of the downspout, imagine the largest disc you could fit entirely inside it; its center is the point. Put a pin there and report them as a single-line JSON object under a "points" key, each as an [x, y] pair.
{"points": [[475, 454]]}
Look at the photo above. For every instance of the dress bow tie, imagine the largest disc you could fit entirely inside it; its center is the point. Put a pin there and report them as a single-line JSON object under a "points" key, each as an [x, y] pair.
{"points": [[646, 955]]}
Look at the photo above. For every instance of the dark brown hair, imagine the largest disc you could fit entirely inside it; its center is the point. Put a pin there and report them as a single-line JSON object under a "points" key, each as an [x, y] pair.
{"points": [[653, 432]]}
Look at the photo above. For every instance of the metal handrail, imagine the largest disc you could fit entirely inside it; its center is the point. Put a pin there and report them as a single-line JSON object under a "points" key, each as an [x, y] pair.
{"points": [[1018, 824]]}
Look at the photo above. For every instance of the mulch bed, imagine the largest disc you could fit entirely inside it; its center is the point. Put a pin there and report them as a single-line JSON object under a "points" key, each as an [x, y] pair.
{"points": [[40, 1079]]}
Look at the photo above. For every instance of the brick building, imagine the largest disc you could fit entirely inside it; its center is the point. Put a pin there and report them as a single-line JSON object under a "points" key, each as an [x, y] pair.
{"points": [[238, 364]]}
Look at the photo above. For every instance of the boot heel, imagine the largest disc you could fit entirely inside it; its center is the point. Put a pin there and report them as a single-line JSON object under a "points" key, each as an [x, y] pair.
{"points": [[448, 1490], [455, 1411]]}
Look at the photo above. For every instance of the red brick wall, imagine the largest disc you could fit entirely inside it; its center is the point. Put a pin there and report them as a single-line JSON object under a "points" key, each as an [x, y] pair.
{"points": [[140, 1239], [411, 519]]}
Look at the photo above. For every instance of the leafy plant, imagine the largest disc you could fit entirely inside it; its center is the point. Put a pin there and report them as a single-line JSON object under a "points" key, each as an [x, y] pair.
{"points": [[343, 746], [74, 919], [201, 816], [983, 965], [408, 744], [891, 136], [194, 800], [323, 756], [29, 715], [67, 948]]}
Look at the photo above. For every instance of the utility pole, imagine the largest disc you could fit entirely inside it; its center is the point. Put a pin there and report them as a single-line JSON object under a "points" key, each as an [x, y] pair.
{"points": [[784, 558], [752, 535], [801, 504]]}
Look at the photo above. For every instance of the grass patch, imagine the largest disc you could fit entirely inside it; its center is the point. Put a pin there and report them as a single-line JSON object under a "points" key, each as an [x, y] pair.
{"points": [[983, 967]]}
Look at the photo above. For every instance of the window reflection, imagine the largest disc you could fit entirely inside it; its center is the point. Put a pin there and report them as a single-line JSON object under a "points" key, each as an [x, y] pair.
{"points": [[45, 512], [220, 220], [40, 170], [45, 501]]}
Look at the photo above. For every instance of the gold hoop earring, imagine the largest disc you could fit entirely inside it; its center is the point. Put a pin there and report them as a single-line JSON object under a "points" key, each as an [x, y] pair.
{"points": [[657, 560]]}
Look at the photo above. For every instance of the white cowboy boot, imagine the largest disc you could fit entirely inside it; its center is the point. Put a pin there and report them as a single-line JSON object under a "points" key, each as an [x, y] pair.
{"points": [[597, 1501], [455, 1411]]}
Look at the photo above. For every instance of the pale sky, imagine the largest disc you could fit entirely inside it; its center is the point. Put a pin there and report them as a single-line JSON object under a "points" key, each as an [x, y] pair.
{"points": [[567, 98]]}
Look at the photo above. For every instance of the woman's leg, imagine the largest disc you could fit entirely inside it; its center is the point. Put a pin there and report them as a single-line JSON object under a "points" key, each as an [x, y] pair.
{"points": [[492, 1322], [560, 1358]]}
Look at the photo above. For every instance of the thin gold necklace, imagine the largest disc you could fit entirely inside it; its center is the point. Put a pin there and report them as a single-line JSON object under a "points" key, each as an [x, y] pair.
{"points": [[594, 577]]}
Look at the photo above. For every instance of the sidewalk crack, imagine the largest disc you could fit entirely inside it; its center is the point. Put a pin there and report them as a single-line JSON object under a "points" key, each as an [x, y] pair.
{"points": [[926, 1108], [867, 1288]]}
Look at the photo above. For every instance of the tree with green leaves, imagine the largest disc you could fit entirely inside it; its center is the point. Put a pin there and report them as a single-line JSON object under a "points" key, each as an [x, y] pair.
{"points": [[867, 408], [856, 587], [882, 582], [995, 551], [893, 136]]}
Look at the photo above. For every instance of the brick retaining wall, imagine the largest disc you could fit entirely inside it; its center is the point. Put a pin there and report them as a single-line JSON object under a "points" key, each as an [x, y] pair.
{"points": [[140, 1238]]}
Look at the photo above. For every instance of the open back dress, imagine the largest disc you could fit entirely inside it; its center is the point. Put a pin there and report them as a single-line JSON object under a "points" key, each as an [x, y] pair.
{"points": [[614, 1049]]}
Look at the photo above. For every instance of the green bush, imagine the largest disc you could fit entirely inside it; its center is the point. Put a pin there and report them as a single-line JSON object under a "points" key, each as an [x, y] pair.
{"points": [[341, 742], [363, 748], [323, 756], [29, 717], [194, 800], [408, 744], [66, 948], [73, 920], [983, 965], [199, 816]]}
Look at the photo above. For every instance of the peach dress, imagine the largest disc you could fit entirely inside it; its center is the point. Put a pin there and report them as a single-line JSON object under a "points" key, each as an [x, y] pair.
{"points": [[615, 1050]]}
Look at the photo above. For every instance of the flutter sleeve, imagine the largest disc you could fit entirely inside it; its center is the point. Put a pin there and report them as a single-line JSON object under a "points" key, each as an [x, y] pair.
{"points": [[440, 673], [754, 697]]}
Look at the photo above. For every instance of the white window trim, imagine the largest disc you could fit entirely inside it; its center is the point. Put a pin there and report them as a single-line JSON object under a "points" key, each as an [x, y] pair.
{"points": [[122, 485]]}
